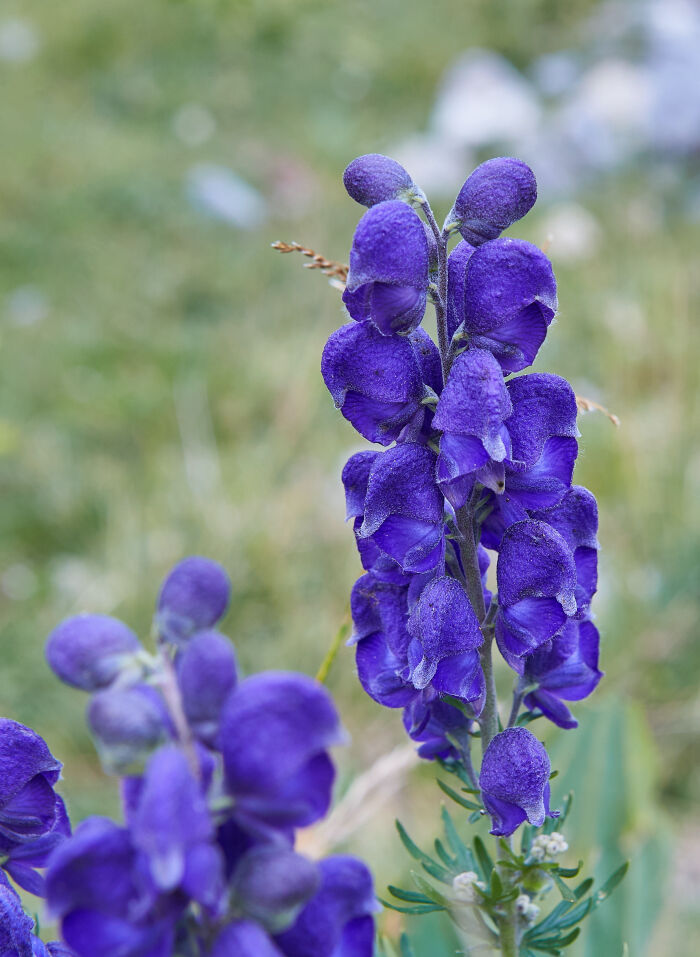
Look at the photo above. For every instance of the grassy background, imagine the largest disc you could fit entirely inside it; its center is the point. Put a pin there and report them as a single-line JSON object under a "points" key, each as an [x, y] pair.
{"points": [[169, 401]]}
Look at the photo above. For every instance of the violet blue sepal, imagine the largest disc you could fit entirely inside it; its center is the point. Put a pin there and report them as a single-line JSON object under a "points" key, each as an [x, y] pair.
{"points": [[497, 194], [244, 938], [389, 269], [275, 731], [510, 298], [15, 926], [128, 724], [92, 651], [338, 921], [536, 578], [206, 675], [375, 381], [471, 414], [28, 772], [272, 883], [403, 512], [543, 407], [456, 277], [22, 858], [375, 178], [565, 669], [445, 640], [193, 597], [436, 725], [514, 781]]}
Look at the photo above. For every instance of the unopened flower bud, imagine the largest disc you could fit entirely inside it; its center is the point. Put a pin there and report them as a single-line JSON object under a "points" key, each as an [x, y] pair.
{"points": [[463, 886], [128, 725], [193, 597], [374, 178], [90, 651]]}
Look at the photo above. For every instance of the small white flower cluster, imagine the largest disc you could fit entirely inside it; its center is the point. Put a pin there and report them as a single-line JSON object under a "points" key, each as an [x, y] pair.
{"points": [[463, 887], [527, 910], [545, 847]]}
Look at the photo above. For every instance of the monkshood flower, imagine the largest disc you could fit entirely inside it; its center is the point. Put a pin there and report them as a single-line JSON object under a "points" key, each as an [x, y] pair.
{"points": [[389, 267], [497, 194], [536, 578], [128, 725], [91, 651], [436, 725], [510, 298], [403, 509], [193, 597], [374, 178], [378, 382], [471, 414], [514, 781], [276, 729], [33, 818], [565, 669], [206, 675]]}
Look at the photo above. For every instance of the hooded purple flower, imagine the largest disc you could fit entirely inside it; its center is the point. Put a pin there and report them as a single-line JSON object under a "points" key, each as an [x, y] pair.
{"points": [[374, 178], [377, 381], [206, 675], [33, 818], [514, 781], [403, 510], [510, 298], [91, 651], [194, 596], [471, 414], [456, 277], [436, 725], [536, 578], [99, 890], [446, 636], [275, 731], [389, 264], [272, 883], [564, 669], [497, 194]]}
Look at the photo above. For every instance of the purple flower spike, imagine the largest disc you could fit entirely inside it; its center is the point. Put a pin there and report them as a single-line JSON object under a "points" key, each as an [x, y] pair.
{"points": [[272, 883], [470, 414], [404, 508], [565, 669], [373, 178], [510, 298], [206, 674], [194, 596], [338, 921], [536, 587], [456, 276], [514, 781], [389, 265], [128, 725], [90, 651], [497, 194], [375, 381], [446, 636], [275, 732]]}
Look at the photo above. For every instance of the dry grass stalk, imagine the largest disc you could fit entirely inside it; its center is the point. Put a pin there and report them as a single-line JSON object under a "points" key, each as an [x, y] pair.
{"points": [[588, 405], [329, 267]]}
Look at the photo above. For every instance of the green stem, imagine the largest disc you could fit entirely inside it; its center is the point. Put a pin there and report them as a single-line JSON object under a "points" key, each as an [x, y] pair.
{"points": [[508, 923]]}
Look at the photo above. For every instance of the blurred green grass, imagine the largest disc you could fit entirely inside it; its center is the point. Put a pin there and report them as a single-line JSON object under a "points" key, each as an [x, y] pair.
{"points": [[170, 400]]}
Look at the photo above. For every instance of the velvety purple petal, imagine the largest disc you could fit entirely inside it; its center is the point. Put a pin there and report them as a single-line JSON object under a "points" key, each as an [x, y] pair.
{"points": [[514, 774], [89, 651], [389, 246], [516, 342], [575, 518], [128, 724], [26, 877], [497, 194], [504, 512], [30, 812], [57, 948], [272, 883], [91, 933], [206, 675], [36, 852], [527, 624], [374, 178], [544, 405], [244, 938], [15, 926], [416, 545], [549, 479], [396, 309], [298, 801], [429, 722], [456, 277], [379, 606], [23, 755], [535, 561], [552, 708], [193, 597], [460, 676], [428, 358], [355, 477], [379, 672], [568, 667]]}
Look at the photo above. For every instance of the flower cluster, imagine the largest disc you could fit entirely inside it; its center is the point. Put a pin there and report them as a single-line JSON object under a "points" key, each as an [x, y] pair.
{"points": [[476, 461], [217, 774]]}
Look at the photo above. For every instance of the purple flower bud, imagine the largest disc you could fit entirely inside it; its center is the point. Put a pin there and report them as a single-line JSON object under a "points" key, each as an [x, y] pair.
{"points": [[446, 636], [536, 587], [194, 596], [275, 732], [497, 194], [389, 264], [565, 669], [90, 651], [206, 674], [471, 414], [404, 508], [373, 178], [510, 298], [514, 781], [272, 883], [128, 725], [456, 277], [375, 381], [338, 919]]}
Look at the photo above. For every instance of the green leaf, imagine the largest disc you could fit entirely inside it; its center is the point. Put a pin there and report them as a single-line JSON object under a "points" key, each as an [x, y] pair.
{"points": [[412, 848], [464, 856], [406, 948], [415, 909], [570, 871], [565, 891], [411, 897], [577, 914], [435, 870], [583, 888], [495, 885], [485, 862], [557, 942], [441, 852], [432, 893], [457, 798], [527, 716], [474, 817], [612, 882]]}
